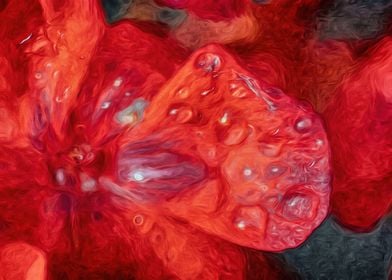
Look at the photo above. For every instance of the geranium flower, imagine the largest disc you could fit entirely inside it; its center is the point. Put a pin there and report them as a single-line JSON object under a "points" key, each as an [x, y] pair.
{"points": [[127, 156]]}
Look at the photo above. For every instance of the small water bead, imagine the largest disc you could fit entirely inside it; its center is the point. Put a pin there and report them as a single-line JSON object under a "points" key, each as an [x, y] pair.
{"points": [[247, 172], [206, 92], [236, 134], [138, 176], [298, 206], [270, 150], [105, 105], [118, 82], [88, 184], [61, 97], [60, 176], [303, 124], [183, 93], [138, 220], [182, 114], [224, 118], [241, 225], [38, 75], [252, 217], [274, 170], [209, 62]]}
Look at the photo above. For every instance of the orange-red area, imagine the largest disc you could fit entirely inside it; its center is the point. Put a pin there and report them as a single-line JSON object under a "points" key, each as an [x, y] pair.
{"points": [[137, 152]]}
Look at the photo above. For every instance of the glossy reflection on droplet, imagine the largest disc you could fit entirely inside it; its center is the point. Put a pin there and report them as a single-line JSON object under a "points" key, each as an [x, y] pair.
{"points": [[138, 220], [274, 170], [208, 62], [270, 149], [298, 206], [250, 217], [303, 124]]}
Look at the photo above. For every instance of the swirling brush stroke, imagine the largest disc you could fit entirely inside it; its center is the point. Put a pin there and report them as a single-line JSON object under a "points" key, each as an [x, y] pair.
{"points": [[175, 144]]}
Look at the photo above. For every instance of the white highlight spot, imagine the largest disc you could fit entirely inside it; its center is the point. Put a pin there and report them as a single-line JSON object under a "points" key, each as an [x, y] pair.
{"points": [[138, 176], [247, 171], [319, 142], [88, 184], [105, 105], [38, 75], [60, 176], [241, 225], [224, 118], [117, 82], [26, 39]]}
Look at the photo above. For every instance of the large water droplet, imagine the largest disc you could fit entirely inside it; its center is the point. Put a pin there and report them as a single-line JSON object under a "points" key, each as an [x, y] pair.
{"points": [[208, 62], [251, 217], [236, 134], [298, 206]]}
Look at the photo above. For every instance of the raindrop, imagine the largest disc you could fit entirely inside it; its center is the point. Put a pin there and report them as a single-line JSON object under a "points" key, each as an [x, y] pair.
{"points": [[236, 134], [105, 105], [303, 124], [298, 206], [270, 150], [138, 220], [274, 170], [117, 82], [208, 62], [224, 118]]}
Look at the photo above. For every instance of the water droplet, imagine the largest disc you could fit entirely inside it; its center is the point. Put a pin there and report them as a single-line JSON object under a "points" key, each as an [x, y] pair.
{"points": [[38, 75], [208, 62], [270, 150], [241, 225], [117, 82], [251, 217], [303, 124], [182, 114], [105, 105], [274, 170], [224, 118], [88, 184], [206, 92], [183, 93], [138, 176], [247, 172], [60, 176], [298, 206], [138, 220], [236, 134], [61, 97]]}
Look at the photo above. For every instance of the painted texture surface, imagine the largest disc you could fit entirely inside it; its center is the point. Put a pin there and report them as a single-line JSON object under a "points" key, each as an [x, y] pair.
{"points": [[227, 139]]}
